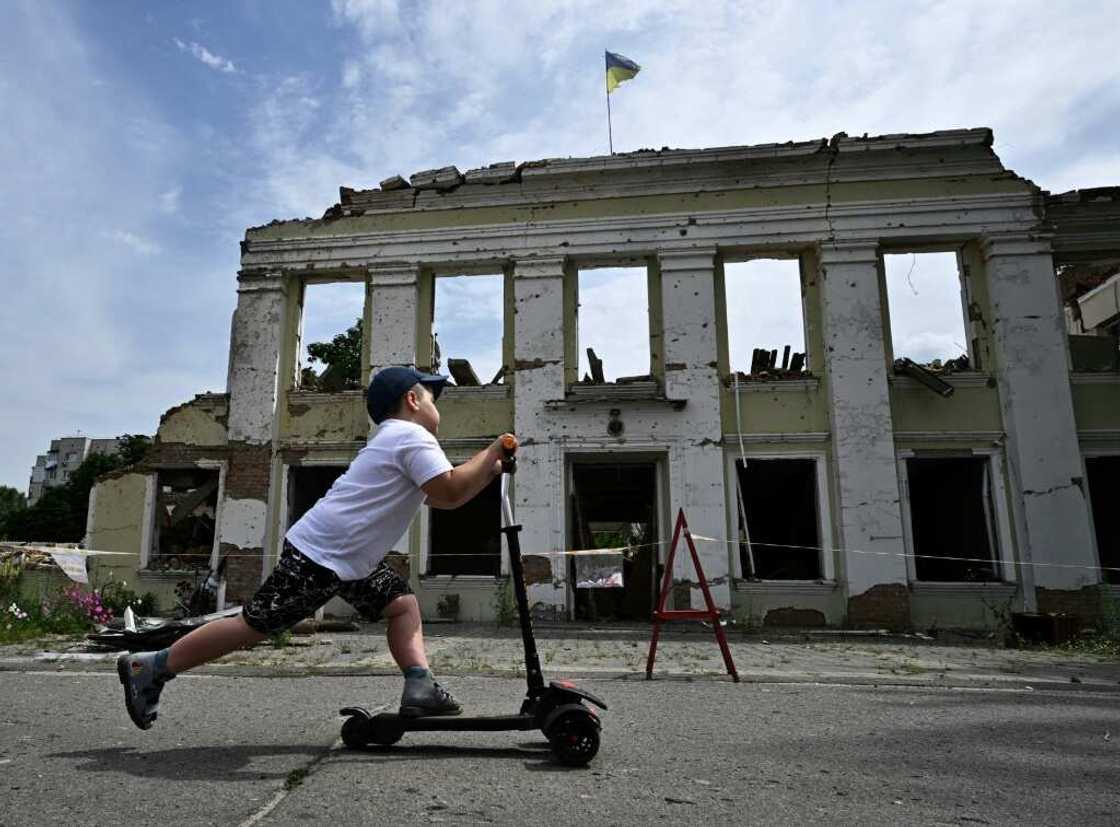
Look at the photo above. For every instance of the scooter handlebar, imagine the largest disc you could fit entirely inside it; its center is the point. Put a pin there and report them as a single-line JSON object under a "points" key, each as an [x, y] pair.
{"points": [[509, 454]]}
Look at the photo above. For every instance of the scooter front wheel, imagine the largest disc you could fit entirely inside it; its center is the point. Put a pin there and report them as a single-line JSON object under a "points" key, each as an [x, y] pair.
{"points": [[574, 738], [384, 731], [355, 732]]}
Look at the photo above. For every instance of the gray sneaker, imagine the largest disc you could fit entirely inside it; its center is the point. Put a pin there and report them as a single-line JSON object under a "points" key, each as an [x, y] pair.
{"points": [[426, 697], [142, 686]]}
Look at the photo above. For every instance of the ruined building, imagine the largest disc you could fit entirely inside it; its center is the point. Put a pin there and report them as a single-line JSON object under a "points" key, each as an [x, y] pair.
{"points": [[877, 489]]}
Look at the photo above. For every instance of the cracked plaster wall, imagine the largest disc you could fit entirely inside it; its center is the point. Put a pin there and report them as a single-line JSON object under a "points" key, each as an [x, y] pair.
{"points": [[1032, 369], [869, 514], [696, 480], [539, 377]]}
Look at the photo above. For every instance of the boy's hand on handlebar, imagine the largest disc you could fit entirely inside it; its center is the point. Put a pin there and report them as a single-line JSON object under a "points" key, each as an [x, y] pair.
{"points": [[504, 448]]}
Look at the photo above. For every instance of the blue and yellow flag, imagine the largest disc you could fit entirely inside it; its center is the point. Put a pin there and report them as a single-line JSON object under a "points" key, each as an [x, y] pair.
{"points": [[619, 68]]}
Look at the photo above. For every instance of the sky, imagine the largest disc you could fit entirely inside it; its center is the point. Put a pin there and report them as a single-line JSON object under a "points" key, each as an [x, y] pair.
{"points": [[139, 140]]}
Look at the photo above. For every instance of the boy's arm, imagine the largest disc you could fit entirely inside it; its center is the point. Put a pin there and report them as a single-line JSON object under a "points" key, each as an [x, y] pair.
{"points": [[459, 485]]}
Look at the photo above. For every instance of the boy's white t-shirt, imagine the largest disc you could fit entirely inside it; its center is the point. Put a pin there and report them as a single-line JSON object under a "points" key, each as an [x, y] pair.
{"points": [[369, 508]]}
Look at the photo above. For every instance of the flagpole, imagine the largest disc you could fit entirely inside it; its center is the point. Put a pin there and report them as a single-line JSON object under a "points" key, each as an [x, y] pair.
{"points": [[610, 131]]}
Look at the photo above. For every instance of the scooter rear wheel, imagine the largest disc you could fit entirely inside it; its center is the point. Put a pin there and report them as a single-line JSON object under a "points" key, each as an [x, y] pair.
{"points": [[574, 738]]}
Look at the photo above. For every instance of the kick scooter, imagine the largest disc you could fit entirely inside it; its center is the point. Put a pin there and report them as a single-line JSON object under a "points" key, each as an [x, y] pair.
{"points": [[557, 710]]}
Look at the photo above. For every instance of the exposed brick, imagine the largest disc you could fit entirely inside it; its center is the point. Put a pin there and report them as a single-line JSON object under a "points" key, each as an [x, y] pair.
{"points": [[249, 471], [790, 616], [1084, 603], [537, 569], [243, 572], [886, 605]]}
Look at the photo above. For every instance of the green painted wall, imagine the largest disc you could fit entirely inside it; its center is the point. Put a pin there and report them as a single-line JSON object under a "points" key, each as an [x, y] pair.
{"points": [[916, 408], [1097, 406]]}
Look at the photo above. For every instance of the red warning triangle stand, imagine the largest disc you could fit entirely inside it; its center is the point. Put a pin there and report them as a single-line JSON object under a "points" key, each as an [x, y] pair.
{"points": [[711, 613]]}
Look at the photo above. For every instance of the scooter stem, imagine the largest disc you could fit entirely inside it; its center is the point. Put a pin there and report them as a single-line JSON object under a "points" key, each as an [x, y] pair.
{"points": [[533, 675]]}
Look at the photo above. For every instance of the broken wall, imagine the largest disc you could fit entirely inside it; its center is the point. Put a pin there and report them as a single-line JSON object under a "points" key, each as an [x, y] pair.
{"points": [[839, 205]]}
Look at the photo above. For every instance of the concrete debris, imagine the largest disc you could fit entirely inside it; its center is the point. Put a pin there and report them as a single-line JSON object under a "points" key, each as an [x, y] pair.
{"points": [[394, 183], [907, 367], [764, 365], [500, 173], [462, 372], [444, 178]]}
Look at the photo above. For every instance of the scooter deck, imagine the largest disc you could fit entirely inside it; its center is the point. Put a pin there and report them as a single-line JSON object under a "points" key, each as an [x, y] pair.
{"points": [[449, 723]]}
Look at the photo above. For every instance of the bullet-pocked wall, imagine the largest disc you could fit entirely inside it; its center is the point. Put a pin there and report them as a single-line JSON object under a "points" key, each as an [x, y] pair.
{"points": [[807, 472]]}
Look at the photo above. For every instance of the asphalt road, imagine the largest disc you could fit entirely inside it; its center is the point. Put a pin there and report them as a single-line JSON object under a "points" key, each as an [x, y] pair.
{"points": [[240, 751]]}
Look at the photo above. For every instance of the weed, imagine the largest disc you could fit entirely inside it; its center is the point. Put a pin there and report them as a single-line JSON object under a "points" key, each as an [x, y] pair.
{"points": [[280, 640], [1003, 628], [505, 607], [295, 778], [1104, 642]]}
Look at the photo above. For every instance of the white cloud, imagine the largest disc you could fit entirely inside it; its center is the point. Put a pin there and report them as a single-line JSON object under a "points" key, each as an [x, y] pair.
{"points": [[169, 200], [468, 321], [101, 333], [134, 242], [614, 320], [212, 60]]}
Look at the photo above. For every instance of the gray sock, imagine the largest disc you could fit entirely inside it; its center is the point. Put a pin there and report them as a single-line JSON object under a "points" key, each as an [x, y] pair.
{"points": [[160, 662]]}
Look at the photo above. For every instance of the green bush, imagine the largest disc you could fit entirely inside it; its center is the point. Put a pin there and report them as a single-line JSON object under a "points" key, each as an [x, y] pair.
{"points": [[117, 596]]}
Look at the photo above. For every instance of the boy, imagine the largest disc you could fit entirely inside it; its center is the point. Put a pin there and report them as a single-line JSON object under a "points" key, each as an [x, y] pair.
{"points": [[338, 548]]}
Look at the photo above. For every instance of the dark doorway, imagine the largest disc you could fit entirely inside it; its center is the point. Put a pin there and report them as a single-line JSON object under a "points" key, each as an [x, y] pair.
{"points": [[780, 498], [1104, 495], [951, 519], [307, 484], [614, 505]]}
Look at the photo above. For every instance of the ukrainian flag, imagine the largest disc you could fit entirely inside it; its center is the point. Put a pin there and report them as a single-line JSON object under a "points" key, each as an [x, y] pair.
{"points": [[619, 68]]}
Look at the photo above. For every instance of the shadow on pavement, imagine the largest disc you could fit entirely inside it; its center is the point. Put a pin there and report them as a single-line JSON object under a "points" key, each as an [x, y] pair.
{"points": [[536, 756], [219, 763]]}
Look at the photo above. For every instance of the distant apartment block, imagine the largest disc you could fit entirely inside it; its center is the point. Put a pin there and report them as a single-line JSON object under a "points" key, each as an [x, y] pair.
{"points": [[62, 459]]}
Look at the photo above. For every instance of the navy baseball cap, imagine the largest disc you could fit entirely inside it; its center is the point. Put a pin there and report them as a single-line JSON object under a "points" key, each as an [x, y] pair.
{"points": [[390, 384]]}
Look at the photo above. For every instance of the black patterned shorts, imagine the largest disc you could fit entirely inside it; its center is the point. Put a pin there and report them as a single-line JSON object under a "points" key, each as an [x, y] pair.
{"points": [[298, 586]]}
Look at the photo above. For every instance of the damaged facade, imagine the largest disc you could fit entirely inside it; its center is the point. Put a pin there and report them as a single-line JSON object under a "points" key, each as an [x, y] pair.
{"points": [[875, 491]]}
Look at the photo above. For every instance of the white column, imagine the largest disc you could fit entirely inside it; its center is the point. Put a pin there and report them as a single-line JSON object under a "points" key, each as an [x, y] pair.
{"points": [[254, 363], [870, 517], [1031, 355], [696, 480], [538, 335], [394, 298], [254, 391]]}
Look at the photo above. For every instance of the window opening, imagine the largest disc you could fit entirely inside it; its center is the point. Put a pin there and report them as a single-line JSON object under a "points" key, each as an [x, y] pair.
{"points": [[186, 509], [467, 540], [951, 519], [330, 351], [1104, 494], [613, 325], [925, 297], [780, 498], [614, 505], [765, 318], [307, 484], [467, 328]]}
